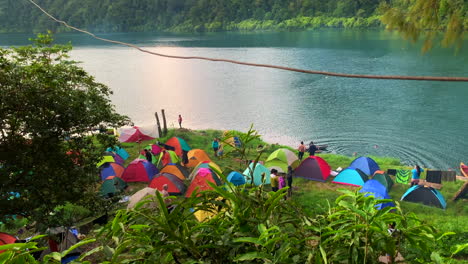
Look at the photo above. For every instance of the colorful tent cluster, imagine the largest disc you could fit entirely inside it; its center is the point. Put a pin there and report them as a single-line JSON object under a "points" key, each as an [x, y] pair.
{"points": [[313, 168], [281, 159]]}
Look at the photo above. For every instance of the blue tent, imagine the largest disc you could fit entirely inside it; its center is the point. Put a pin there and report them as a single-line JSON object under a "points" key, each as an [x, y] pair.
{"points": [[351, 176], [236, 178], [425, 195], [376, 189], [120, 151], [365, 164], [257, 174]]}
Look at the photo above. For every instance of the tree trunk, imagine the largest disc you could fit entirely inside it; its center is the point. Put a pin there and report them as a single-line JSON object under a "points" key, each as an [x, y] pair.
{"points": [[164, 122], [158, 124]]}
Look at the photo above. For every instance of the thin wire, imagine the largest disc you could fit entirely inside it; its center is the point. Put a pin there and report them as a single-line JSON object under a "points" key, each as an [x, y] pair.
{"points": [[335, 74]]}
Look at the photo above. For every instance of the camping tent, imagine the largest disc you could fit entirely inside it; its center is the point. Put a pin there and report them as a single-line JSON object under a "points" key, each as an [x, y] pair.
{"points": [[154, 159], [112, 186], [167, 156], [175, 185], [313, 168], [425, 195], [200, 181], [205, 165], [375, 188], [137, 134], [365, 164], [257, 174], [139, 170], [119, 151], [175, 169], [351, 176], [384, 179], [236, 178], [108, 158], [280, 160], [111, 169], [195, 156], [179, 144], [140, 196], [6, 239]]}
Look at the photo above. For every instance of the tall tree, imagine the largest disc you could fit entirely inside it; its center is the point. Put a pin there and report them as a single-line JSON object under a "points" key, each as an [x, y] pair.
{"points": [[48, 106]]}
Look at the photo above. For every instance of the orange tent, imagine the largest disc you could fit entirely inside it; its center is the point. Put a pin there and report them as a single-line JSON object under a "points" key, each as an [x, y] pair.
{"points": [[175, 169], [196, 156], [200, 181]]}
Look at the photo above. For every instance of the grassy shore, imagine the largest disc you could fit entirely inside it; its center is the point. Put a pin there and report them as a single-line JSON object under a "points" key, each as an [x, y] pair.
{"points": [[314, 196]]}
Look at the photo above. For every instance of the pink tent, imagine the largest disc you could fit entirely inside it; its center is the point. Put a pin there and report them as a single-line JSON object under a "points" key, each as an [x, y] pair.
{"points": [[136, 134], [139, 170]]}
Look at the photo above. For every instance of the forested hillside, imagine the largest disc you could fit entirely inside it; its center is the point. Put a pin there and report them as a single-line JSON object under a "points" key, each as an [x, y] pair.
{"points": [[188, 15]]}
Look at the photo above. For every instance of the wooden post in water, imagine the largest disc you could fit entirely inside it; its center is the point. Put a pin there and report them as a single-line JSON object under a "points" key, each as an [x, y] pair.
{"points": [[158, 124], [164, 122]]}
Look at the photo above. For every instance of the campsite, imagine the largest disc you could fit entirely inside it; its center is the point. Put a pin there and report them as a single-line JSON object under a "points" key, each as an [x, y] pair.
{"points": [[314, 189]]}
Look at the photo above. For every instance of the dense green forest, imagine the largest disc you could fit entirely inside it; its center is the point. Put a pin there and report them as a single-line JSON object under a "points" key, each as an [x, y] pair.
{"points": [[188, 15]]}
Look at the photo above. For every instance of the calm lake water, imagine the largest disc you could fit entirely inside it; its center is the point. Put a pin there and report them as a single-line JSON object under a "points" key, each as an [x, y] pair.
{"points": [[418, 122]]}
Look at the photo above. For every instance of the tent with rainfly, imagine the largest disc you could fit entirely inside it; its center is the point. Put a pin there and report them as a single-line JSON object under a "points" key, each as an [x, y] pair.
{"points": [[384, 179], [195, 156], [177, 170], [313, 168], [365, 164], [119, 151], [112, 186], [205, 165], [351, 176], [236, 178], [280, 160], [137, 134], [179, 144], [425, 195], [200, 181], [175, 185], [139, 170], [257, 174], [376, 189], [111, 169]]}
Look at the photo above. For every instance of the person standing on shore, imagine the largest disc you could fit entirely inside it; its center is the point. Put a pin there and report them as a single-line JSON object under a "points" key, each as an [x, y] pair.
{"points": [[416, 175], [180, 121], [312, 148], [215, 146], [301, 149]]}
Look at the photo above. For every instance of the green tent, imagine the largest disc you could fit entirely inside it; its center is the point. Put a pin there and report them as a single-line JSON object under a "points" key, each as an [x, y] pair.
{"points": [[113, 186], [384, 179], [104, 160], [281, 159]]}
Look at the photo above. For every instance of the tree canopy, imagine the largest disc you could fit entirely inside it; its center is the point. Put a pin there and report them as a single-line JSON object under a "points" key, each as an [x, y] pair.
{"points": [[48, 106]]}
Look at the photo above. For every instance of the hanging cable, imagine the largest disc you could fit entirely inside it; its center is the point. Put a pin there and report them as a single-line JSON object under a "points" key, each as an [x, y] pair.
{"points": [[335, 74]]}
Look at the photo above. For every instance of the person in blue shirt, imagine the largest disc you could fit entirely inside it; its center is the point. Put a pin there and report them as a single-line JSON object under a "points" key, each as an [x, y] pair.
{"points": [[215, 145], [416, 175]]}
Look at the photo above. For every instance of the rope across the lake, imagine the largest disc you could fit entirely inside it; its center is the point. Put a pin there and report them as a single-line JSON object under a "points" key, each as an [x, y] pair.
{"points": [[335, 74]]}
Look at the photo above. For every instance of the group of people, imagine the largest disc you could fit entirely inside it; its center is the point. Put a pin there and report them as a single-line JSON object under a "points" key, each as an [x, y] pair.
{"points": [[279, 181], [302, 149]]}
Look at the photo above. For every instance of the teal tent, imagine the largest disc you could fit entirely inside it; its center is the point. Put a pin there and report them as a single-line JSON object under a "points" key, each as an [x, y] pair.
{"points": [[257, 174], [351, 176]]}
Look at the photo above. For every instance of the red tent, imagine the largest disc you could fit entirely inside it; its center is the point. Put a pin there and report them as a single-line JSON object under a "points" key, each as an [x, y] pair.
{"points": [[200, 181], [313, 168], [134, 134], [139, 170], [6, 239], [175, 185]]}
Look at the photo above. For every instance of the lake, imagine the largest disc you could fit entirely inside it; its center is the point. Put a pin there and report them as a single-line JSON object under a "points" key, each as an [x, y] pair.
{"points": [[420, 122]]}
